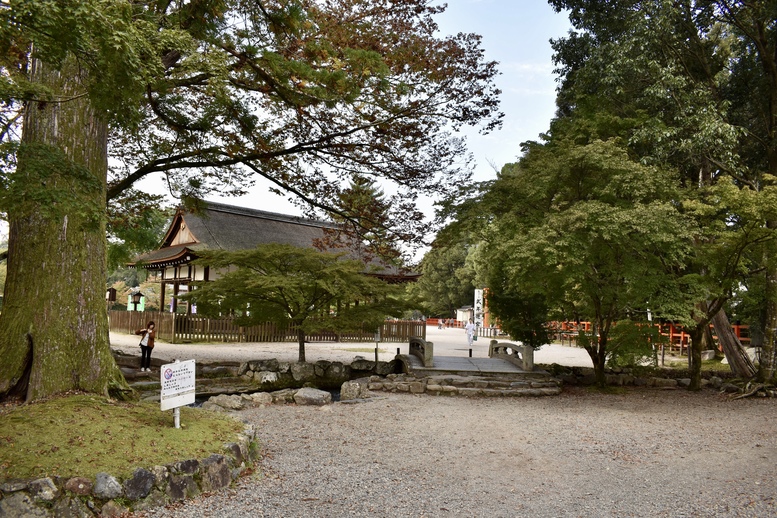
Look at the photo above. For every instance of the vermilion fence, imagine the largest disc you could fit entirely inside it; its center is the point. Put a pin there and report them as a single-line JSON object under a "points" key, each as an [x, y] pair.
{"points": [[176, 328], [676, 337]]}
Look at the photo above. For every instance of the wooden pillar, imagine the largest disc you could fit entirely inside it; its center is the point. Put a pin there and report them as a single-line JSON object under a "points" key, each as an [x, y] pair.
{"points": [[175, 297], [162, 297]]}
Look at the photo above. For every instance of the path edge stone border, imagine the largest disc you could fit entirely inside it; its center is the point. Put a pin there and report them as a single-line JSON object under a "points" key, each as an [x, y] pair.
{"points": [[146, 488]]}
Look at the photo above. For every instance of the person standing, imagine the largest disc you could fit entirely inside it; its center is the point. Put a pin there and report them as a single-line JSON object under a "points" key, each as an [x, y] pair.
{"points": [[470, 330], [146, 345]]}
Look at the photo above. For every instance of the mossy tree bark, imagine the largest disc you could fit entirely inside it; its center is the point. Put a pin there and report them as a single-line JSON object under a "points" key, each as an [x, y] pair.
{"points": [[54, 324]]}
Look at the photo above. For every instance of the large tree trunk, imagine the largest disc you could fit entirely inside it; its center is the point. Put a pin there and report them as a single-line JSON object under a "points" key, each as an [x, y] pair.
{"points": [[768, 358], [694, 354], [596, 347], [54, 324], [737, 358]]}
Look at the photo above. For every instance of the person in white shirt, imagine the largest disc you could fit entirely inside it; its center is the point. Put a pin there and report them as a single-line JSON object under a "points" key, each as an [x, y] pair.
{"points": [[470, 330]]}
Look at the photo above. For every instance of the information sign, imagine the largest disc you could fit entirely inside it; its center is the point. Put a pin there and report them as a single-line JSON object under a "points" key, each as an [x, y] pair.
{"points": [[177, 384]]}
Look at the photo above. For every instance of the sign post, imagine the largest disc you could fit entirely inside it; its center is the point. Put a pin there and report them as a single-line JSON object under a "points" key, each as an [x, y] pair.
{"points": [[177, 380]]}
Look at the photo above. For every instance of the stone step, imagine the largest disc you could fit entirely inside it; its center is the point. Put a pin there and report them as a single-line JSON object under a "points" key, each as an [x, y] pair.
{"points": [[471, 386]]}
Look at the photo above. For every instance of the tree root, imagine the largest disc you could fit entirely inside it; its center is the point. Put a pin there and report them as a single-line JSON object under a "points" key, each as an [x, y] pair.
{"points": [[756, 389]]}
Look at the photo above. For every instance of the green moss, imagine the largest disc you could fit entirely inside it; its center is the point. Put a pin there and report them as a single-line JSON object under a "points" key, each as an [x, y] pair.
{"points": [[82, 435]]}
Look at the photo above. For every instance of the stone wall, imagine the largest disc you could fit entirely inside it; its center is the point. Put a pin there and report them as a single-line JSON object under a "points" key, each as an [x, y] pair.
{"points": [[323, 374], [107, 495], [637, 376]]}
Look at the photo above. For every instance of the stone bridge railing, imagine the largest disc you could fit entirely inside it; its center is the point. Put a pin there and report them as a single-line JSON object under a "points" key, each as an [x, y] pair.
{"points": [[520, 355], [423, 350]]}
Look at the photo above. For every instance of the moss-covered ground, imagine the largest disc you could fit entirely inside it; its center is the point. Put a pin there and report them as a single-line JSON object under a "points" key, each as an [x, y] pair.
{"points": [[82, 435]]}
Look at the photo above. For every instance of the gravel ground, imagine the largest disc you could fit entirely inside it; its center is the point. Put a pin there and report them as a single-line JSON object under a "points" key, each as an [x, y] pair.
{"points": [[642, 452]]}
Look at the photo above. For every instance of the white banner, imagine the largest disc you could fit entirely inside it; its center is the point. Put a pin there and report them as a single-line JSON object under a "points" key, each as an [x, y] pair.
{"points": [[479, 308]]}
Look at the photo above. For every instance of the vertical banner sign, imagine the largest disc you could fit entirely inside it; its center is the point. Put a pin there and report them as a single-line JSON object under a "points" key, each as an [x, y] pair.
{"points": [[479, 308], [177, 384]]}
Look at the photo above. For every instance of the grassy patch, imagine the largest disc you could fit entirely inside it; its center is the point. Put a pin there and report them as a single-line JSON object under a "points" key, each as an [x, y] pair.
{"points": [[82, 435]]}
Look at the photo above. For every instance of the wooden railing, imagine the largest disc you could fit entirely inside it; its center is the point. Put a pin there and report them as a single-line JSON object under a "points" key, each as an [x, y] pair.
{"points": [[176, 328]]}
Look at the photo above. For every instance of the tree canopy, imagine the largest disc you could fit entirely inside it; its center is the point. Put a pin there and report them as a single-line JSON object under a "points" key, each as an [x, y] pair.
{"points": [[211, 94], [654, 185], [301, 287]]}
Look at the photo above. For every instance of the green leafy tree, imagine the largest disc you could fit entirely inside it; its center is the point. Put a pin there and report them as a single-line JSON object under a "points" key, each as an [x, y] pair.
{"points": [[446, 281], [588, 234], [301, 287], [211, 94], [696, 81]]}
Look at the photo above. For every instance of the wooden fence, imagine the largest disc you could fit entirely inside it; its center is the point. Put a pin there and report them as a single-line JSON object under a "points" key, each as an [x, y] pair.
{"points": [[176, 328]]}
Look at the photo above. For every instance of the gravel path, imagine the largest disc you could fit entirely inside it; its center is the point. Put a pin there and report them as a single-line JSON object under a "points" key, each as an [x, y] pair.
{"points": [[644, 452]]}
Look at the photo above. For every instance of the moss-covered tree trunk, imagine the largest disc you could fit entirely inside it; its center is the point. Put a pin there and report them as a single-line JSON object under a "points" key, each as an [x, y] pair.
{"points": [[54, 324]]}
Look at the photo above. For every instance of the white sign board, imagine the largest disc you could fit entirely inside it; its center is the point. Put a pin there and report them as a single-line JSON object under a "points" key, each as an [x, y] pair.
{"points": [[479, 308], [177, 384]]}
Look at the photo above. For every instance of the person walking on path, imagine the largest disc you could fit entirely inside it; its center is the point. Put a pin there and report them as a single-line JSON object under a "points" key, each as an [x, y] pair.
{"points": [[470, 330], [146, 345]]}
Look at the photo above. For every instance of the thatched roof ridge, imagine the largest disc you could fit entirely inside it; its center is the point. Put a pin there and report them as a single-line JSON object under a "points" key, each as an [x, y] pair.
{"points": [[216, 226]]}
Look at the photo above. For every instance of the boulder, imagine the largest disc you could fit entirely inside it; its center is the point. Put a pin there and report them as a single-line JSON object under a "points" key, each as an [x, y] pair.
{"points": [[261, 398], [356, 389], [224, 401], [283, 396], [215, 472], [385, 368], [182, 487], [320, 367], [663, 382], [43, 489], [71, 507], [161, 475], [11, 486], [81, 486], [189, 467], [303, 371], [106, 487], [139, 485], [362, 365], [266, 377], [264, 365], [708, 355], [20, 504], [313, 397]]}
